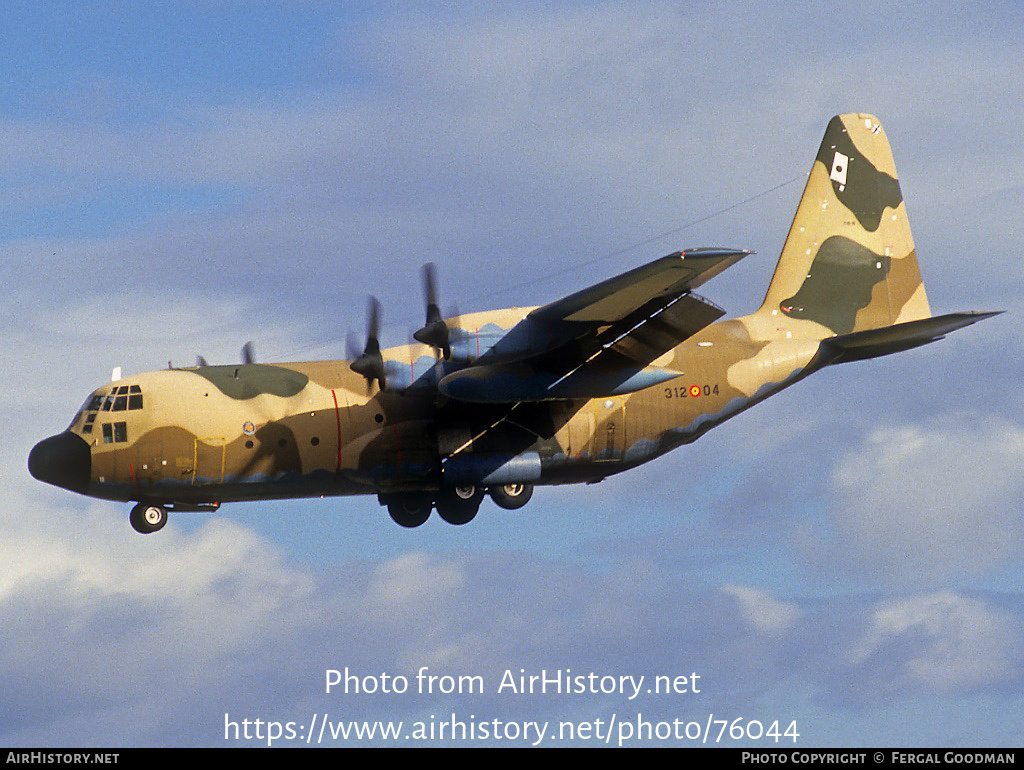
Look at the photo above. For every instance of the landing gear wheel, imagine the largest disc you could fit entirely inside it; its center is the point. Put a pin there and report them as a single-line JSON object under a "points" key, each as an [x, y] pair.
{"points": [[147, 517], [409, 510], [459, 505], [511, 496]]}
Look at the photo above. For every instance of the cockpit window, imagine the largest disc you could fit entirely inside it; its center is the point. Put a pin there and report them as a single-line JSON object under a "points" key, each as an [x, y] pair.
{"points": [[120, 399]]}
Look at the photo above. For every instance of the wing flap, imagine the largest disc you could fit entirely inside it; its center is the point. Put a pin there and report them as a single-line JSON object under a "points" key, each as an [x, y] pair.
{"points": [[667, 328], [600, 341]]}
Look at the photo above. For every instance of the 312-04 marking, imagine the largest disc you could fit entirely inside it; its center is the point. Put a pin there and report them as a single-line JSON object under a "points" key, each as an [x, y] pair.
{"points": [[693, 391]]}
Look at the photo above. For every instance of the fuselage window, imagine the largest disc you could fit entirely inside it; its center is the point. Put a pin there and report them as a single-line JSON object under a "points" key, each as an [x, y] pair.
{"points": [[120, 403]]}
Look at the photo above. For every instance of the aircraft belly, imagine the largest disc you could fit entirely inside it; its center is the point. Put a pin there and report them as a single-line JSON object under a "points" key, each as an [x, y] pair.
{"points": [[393, 455]]}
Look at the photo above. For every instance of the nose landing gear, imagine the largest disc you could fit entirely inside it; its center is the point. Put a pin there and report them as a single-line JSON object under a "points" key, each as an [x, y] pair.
{"points": [[147, 517]]}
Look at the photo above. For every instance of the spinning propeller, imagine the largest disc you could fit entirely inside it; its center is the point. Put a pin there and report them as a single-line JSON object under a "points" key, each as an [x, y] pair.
{"points": [[435, 333], [369, 363], [248, 355]]}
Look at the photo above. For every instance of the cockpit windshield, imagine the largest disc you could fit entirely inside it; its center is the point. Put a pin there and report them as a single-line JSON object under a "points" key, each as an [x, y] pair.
{"points": [[123, 398]]}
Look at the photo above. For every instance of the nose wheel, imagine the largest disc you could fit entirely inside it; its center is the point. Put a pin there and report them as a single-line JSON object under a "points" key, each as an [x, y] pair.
{"points": [[147, 517]]}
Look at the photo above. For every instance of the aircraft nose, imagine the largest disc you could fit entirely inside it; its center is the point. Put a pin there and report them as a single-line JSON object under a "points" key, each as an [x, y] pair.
{"points": [[63, 460]]}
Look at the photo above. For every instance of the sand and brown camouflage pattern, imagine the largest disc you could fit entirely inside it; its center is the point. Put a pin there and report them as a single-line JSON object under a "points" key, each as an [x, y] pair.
{"points": [[849, 262], [847, 284]]}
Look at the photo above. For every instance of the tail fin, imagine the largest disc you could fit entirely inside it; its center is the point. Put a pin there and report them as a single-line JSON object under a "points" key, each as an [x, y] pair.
{"points": [[849, 263]]}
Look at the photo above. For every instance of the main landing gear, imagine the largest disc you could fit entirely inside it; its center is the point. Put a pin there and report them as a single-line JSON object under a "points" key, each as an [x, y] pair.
{"points": [[511, 497], [409, 510], [460, 505], [456, 506]]}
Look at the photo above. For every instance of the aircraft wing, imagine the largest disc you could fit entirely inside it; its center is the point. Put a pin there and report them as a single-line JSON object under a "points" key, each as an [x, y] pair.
{"points": [[601, 340], [622, 296]]}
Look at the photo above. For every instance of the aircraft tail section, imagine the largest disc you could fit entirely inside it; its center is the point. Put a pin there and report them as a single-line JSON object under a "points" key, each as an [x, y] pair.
{"points": [[848, 264], [871, 343]]}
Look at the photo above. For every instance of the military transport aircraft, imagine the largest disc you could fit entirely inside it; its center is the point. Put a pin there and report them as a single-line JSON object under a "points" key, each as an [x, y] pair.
{"points": [[499, 402]]}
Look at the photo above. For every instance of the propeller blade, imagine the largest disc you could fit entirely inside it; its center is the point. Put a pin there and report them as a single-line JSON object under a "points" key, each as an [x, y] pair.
{"points": [[435, 333], [429, 272], [372, 318], [248, 353], [352, 349], [370, 363]]}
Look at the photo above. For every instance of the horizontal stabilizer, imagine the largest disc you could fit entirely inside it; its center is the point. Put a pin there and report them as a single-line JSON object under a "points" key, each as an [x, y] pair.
{"points": [[892, 339]]}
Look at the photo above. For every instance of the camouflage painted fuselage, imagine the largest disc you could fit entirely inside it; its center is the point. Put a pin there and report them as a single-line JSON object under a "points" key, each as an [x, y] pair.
{"points": [[255, 431], [520, 402]]}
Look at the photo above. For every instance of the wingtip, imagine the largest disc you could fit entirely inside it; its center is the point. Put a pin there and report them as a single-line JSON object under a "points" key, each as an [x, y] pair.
{"points": [[713, 251], [981, 315]]}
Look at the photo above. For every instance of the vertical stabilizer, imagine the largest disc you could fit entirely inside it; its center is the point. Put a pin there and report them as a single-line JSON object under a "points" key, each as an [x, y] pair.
{"points": [[849, 263]]}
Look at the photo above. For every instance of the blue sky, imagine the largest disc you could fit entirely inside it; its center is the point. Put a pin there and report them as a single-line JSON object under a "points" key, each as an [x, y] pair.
{"points": [[181, 178]]}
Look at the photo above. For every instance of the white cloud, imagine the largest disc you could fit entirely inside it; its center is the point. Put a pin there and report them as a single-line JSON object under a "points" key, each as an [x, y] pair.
{"points": [[409, 579], [925, 503], [939, 643], [762, 612], [101, 623], [96, 620]]}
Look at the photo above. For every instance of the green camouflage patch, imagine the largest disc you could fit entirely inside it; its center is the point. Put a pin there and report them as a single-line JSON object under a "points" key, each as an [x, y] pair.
{"points": [[250, 380]]}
